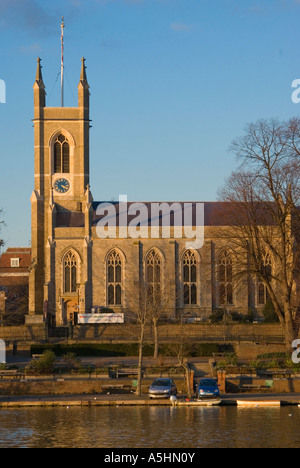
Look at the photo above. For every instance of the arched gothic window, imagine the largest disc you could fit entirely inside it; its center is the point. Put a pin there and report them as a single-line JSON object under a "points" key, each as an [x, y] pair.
{"points": [[266, 272], [190, 278], [153, 276], [70, 272], [61, 155], [114, 279], [225, 279]]}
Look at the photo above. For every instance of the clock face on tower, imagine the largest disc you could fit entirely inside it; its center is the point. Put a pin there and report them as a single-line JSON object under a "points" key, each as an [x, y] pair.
{"points": [[62, 186]]}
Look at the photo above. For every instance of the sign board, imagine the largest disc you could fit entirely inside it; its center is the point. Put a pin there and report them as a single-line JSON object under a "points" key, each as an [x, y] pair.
{"points": [[135, 383], [270, 383], [87, 319]]}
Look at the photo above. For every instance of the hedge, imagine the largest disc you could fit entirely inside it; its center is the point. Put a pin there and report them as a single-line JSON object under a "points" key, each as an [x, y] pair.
{"points": [[127, 349]]}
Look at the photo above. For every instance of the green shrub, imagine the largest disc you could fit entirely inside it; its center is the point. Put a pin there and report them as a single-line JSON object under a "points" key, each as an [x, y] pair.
{"points": [[217, 316], [127, 349], [230, 360], [241, 318], [43, 365], [280, 360], [269, 313], [71, 362], [279, 355], [90, 349]]}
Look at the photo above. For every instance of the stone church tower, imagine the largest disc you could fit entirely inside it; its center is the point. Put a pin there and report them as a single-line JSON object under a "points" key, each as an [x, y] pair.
{"points": [[61, 191], [75, 267]]}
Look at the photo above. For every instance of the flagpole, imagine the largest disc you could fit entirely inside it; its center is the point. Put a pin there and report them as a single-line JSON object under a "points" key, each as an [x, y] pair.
{"points": [[62, 62]]}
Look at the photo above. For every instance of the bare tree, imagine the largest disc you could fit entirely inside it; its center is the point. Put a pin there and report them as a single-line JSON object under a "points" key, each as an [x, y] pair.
{"points": [[263, 198], [158, 307], [181, 347], [16, 305], [151, 307], [142, 316]]}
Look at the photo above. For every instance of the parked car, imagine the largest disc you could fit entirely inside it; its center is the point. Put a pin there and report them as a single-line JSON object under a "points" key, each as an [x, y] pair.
{"points": [[208, 388], [162, 388]]}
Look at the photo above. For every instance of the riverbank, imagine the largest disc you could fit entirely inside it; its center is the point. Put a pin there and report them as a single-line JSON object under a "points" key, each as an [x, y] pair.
{"points": [[69, 401]]}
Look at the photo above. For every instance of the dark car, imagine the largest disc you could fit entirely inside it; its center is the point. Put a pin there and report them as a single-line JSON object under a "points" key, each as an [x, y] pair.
{"points": [[162, 388], [208, 388]]}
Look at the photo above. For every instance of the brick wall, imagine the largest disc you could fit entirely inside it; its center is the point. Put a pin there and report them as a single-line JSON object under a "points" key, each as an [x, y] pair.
{"points": [[22, 333], [279, 385], [52, 386], [252, 350]]}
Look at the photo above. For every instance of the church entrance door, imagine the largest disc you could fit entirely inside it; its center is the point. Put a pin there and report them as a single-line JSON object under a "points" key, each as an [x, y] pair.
{"points": [[71, 311]]}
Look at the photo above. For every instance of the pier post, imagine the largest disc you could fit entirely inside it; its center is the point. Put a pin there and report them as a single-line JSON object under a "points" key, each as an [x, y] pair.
{"points": [[222, 381]]}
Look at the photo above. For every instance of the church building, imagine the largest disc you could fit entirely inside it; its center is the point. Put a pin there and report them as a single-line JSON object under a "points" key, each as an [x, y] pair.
{"points": [[75, 266]]}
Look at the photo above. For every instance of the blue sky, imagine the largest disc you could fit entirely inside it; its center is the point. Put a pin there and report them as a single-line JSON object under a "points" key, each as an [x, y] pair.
{"points": [[173, 82]]}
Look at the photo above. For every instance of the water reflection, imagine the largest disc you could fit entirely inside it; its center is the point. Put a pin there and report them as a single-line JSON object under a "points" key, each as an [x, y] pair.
{"points": [[151, 427]]}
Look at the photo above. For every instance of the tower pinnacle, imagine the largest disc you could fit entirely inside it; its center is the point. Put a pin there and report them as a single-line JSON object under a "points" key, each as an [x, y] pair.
{"points": [[83, 76], [39, 77], [39, 91]]}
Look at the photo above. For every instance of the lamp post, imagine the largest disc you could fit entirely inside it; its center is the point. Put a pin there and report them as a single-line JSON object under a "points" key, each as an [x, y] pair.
{"points": [[78, 307]]}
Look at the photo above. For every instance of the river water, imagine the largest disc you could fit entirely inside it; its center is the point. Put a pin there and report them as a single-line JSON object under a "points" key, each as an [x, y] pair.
{"points": [[150, 427]]}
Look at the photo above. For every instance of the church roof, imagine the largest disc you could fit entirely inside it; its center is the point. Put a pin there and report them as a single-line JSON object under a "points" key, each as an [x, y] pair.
{"points": [[215, 213]]}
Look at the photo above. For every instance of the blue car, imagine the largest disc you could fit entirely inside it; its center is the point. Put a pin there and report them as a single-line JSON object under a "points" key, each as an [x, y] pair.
{"points": [[208, 388]]}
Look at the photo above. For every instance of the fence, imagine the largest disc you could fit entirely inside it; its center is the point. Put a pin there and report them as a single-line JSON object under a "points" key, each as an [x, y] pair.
{"points": [[126, 333]]}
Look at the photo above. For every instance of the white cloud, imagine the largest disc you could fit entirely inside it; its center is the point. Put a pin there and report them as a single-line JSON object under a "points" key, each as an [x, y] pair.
{"points": [[30, 49], [181, 27]]}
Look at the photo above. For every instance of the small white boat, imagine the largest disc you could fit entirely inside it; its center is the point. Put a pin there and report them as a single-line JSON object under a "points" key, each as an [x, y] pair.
{"points": [[258, 404], [200, 403]]}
